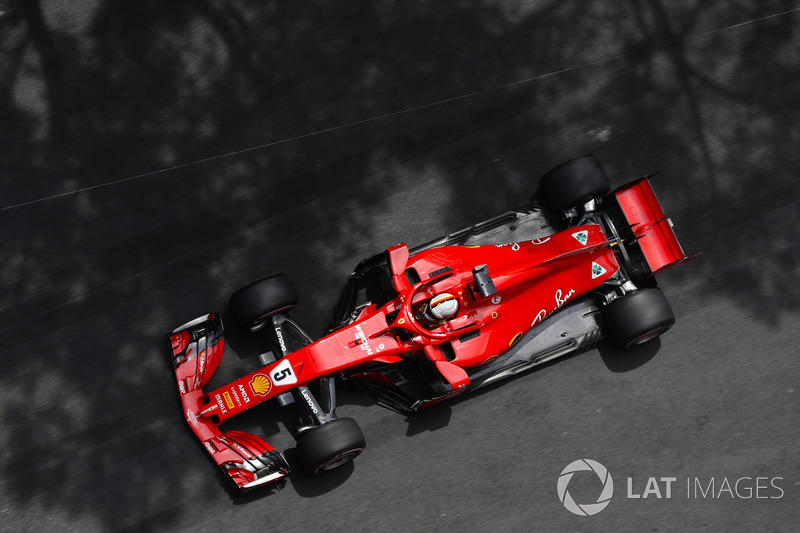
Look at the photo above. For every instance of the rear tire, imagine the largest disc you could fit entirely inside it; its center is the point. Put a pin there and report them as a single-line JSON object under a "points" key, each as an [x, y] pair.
{"points": [[330, 445], [638, 317], [574, 182], [254, 303]]}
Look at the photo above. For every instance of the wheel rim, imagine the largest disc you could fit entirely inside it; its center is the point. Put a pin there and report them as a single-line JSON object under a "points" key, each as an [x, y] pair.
{"points": [[647, 337], [339, 460]]}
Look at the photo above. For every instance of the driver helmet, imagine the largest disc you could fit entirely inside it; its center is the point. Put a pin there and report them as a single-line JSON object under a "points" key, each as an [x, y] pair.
{"points": [[443, 306]]}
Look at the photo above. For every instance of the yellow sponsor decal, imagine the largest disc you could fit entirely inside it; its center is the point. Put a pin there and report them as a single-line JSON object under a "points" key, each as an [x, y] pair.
{"points": [[228, 400], [261, 384], [490, 359]]}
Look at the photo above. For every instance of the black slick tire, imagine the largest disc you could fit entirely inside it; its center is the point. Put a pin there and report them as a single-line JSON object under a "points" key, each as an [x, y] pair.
{"points": [[638, 317], [254, 303], [574, 182], [330, 445]]}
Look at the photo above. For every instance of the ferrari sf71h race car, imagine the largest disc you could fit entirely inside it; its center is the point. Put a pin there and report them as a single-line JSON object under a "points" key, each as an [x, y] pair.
{"points": [[574, 265]]}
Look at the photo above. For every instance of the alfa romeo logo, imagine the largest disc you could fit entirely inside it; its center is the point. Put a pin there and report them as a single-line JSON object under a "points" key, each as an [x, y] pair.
{"points": [[597, 270], [582, 237], [586, 509]]}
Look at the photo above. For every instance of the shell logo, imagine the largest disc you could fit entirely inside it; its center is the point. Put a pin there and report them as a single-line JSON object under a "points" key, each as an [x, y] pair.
{"points": [[261, 384]]}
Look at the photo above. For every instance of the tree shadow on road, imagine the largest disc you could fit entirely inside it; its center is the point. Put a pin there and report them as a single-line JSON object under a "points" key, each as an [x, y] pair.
{"points": [[246, 138]]}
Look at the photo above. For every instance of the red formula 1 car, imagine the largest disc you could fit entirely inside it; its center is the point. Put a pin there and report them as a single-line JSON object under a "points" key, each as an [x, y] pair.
{"points": [[418, 326]]}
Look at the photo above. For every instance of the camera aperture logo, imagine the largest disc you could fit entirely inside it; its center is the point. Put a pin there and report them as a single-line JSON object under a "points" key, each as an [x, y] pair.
{"points": [[585, 509]]}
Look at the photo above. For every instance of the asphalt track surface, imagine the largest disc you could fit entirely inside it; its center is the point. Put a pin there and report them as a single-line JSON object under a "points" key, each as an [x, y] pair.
{"points": [[155, 156]]}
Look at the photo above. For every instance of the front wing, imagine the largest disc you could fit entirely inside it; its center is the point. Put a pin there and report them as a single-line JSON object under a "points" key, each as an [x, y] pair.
{"points": [[247, 460]]}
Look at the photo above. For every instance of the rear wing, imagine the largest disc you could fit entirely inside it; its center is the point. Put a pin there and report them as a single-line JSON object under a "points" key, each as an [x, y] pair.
{"points": [[653, 230]]}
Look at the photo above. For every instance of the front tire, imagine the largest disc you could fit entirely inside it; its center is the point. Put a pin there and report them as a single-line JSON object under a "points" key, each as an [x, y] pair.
{"points": [[330, 445], [574, 182], [638, 317], [254, 303]]}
